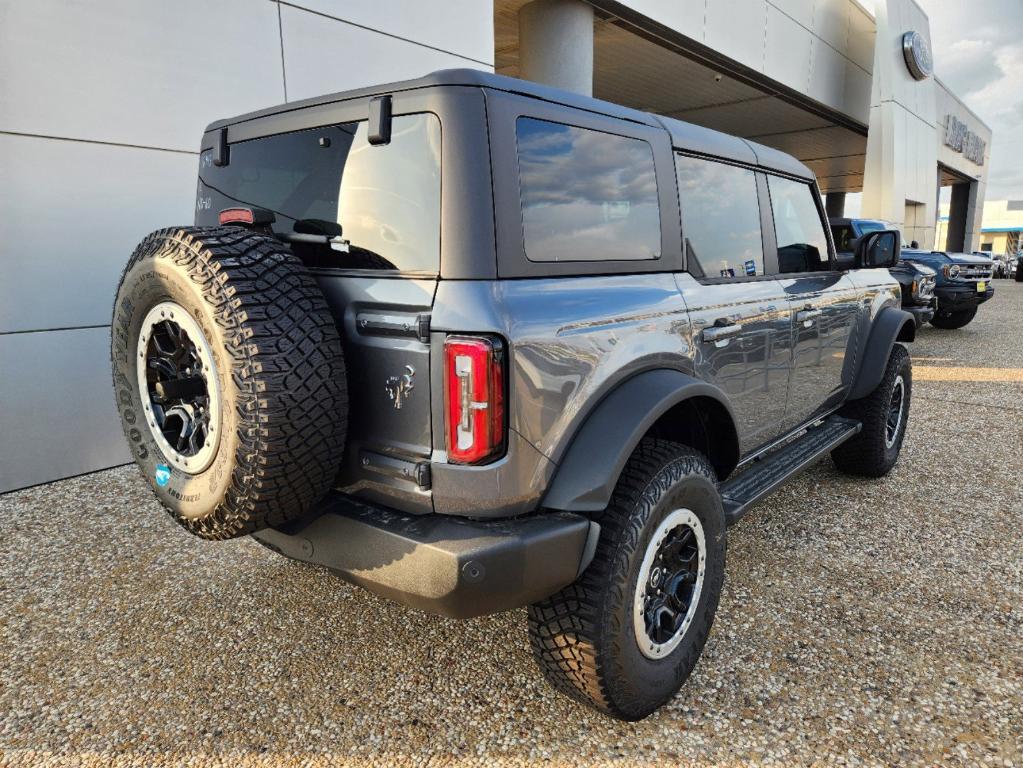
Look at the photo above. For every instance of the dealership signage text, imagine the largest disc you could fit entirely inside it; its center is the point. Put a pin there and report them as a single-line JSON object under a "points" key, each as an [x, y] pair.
{"points": [[962, 139]]}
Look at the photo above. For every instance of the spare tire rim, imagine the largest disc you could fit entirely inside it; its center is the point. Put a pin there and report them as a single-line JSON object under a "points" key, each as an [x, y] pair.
{"points": [[893, 422], [179, 388], [670, 583]]}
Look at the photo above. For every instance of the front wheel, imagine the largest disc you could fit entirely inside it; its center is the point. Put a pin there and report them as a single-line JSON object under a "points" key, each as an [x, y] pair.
{"points": [[884, 415], [625, 636], [952, 320]]}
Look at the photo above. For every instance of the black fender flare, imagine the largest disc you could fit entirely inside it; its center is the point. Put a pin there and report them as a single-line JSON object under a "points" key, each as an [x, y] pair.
{"points": [[891, 324], [590, 467]]}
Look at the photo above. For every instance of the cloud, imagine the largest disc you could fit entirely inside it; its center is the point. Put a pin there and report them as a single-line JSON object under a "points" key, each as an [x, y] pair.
{"points": [[979, 54], [971, 66]]}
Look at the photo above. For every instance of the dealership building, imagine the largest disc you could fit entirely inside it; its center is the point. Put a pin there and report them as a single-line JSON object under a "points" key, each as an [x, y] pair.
{"points": [[102, 106]]}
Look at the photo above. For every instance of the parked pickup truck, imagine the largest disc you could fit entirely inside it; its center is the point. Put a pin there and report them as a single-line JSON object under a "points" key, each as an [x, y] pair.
{"points": [[475, 344], [917, 281], [963, 284]]}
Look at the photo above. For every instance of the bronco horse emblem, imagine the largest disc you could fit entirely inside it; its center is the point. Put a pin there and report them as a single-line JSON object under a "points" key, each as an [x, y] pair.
{"points": [[398, 388]]}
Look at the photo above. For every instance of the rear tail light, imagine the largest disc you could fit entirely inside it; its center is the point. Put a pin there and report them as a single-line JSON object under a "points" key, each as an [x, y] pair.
{"points": [[236, 216], [254, 216], [474, 393]]}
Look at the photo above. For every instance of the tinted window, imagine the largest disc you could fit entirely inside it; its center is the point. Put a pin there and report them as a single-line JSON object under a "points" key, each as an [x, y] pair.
{"points": [[843, 236], [802, 244], [720, 218], [385, 199], [870, 226], [586, 195]]}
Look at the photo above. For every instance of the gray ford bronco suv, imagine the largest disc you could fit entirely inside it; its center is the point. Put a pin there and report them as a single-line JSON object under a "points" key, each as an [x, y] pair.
{"points": [[476, 344]]}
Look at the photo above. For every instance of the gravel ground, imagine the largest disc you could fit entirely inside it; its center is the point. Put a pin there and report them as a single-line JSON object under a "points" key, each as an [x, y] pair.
{"points": [[861, 623]]}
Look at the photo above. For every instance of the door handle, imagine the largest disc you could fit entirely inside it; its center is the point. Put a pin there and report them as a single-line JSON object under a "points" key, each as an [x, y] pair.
{"points": [[720, 332], [807, 315]]}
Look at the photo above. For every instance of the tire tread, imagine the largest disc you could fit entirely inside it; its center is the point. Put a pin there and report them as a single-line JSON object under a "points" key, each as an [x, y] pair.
{"points": [[573, 633], [286, 363]]}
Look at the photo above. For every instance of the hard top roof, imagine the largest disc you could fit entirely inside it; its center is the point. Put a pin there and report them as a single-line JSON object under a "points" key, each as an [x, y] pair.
{"points": [[684, 136]]}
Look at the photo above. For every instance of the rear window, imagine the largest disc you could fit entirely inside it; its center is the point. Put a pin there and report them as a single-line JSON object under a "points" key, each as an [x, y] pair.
{"points": [[586, 195], [720, 219], [384, 199]]}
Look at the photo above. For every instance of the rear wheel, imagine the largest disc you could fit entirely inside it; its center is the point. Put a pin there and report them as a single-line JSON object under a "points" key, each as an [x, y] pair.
{"points": [[952, 320], [884, 415], [230, 379], [626, 635]]}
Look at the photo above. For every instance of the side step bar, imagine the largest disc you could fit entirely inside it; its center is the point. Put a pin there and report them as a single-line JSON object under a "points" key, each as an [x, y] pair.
{"points": [[748, 487]]}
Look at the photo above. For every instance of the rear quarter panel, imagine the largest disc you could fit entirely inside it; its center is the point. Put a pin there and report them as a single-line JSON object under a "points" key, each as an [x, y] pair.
{"points": [[570, 342]]}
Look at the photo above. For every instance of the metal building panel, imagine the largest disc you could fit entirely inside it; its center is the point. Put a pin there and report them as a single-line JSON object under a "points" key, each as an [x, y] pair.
{"points": [[58, 417], [736, 29], [143, 73], [323, 55], [787, 52], [462, 27], [73, 213]]}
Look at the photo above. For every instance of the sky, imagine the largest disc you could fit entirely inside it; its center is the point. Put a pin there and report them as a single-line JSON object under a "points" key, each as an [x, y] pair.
{"points": [[978, 53]]}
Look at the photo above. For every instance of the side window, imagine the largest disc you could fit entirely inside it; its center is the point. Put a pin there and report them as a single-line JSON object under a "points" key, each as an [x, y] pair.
{"points": [[720, 218], [586, 195], [802, 244]]}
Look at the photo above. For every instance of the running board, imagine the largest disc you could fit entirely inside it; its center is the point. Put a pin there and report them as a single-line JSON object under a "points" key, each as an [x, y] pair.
{"points": [[767, 474]]}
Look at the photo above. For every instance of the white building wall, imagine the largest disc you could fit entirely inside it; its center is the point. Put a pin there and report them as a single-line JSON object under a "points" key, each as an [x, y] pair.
{"points": [[900, 183], [821, 48], [101, 110], [946, 104]]}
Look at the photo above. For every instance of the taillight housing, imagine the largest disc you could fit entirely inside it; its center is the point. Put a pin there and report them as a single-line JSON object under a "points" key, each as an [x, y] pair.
{"points": [[474, 397], [236, 216], [247, 216]]}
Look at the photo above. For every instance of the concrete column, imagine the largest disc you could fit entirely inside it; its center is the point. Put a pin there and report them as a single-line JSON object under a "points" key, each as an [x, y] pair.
{"points": [[960, 203], [902, 142], [556, 44], [834, 204]]}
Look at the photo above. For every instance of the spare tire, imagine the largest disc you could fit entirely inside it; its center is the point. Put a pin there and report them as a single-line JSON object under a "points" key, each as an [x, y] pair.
{"points": [[229, 378]]}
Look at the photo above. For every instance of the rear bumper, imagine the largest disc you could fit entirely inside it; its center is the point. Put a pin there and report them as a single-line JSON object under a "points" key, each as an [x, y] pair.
{"points": [[444, 565], [953, 299]]}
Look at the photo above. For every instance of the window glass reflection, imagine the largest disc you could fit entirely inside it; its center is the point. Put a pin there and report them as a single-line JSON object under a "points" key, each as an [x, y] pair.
{"points": [[802, 245], [586, 195], [384, 199], [720, 218]]}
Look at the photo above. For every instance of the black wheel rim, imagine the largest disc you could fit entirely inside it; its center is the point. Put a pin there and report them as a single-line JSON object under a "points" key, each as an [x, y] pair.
{"points": [[670, 586], [893, 419], [669, 583], [178, 385]]}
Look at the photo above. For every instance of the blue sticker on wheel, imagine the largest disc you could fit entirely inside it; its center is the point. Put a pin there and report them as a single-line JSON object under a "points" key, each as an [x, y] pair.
{"points": [[162, 475]]}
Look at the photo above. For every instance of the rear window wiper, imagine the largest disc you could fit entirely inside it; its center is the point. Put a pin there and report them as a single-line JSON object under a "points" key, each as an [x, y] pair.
{"points": [[317, 232]]}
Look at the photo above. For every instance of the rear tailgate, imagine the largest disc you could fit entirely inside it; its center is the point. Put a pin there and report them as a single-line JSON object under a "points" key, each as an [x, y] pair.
{"points": [[366, 218]]}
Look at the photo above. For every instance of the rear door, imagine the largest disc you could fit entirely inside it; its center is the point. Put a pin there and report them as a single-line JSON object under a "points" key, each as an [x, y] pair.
{"points": [[823, 302], [740, 316], [366, 218]]}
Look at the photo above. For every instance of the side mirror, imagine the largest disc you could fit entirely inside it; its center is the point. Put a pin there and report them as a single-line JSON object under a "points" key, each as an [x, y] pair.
{"points": [[845, 261], [878, 249]]}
